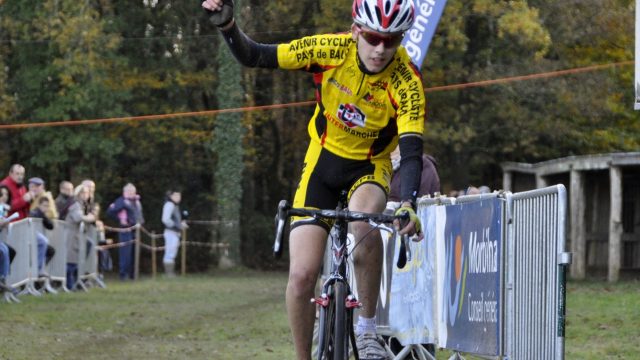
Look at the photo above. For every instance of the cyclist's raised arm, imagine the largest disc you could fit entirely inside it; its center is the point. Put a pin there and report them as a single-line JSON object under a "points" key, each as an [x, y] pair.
{"points": [[247, 51]]}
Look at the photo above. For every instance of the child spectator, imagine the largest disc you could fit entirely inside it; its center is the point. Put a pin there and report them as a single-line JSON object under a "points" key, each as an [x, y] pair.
{"points": [[45, 251]]}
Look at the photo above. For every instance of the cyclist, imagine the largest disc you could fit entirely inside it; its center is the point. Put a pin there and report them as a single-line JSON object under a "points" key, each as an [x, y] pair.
{"points": [[369, 99]]}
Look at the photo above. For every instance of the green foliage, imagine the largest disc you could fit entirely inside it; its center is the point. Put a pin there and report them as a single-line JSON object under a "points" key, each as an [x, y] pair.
{"points": [[63, 60], [71, 58], [227, 146], [471, 131]]}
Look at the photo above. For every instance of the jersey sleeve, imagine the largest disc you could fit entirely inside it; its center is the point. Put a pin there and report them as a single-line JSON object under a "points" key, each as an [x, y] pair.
{"points": [[314, 53], [410, 100]]}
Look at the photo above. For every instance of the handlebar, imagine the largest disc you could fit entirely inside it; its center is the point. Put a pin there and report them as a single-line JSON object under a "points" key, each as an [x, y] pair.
{"points": [[285, 211]]}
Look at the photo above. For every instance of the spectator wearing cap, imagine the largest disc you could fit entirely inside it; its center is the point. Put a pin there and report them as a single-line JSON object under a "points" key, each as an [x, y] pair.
{"points": [[20, 197], [37, 188]]}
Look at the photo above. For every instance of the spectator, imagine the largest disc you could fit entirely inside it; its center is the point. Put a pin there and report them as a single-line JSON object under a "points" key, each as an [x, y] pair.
{"points": [[65, 199], [45, 210], [127, 211], [472, 190], [5, 201], [429, 180], [91, 186], [37, 189], [5, 211], [20, 197], [75, 217], [5, 253], [4, 265], [173, 226], [45, 251]]}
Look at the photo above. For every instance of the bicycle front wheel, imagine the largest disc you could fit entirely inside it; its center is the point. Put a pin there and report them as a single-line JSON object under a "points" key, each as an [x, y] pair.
{"points": [[326, 321], [341, 332]]}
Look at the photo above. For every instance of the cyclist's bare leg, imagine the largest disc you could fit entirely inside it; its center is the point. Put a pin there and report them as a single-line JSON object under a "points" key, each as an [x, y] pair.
{"points": [[368, 254], [306, 251]]}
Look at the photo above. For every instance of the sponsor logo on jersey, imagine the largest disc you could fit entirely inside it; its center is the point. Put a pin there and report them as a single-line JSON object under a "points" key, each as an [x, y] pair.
{"points": [[351, 115], [378, 85], [340, 87], [371, 101]]}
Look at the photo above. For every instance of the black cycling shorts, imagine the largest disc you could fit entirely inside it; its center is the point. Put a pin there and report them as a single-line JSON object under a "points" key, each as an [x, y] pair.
{"points": [[325, 175]]}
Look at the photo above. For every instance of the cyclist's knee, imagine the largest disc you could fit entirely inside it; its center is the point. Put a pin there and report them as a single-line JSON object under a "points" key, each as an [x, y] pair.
{"points": [[301, 282]]}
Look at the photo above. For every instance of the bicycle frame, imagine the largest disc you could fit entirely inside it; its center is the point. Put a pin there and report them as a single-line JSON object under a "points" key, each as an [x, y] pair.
{"points": [[336, 301]]}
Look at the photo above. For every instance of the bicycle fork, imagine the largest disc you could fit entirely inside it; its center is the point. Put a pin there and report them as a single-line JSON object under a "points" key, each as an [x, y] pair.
{"points": [[336, 298], [350, 302]]}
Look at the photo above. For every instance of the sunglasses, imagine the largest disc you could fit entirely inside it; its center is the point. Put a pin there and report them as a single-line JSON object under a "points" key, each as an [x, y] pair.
{"points": [[374, 39]]}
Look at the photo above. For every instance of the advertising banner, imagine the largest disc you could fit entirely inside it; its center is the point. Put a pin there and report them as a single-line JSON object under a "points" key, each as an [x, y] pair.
{"points": [[418, 38], [469, 245], [411, 316]]}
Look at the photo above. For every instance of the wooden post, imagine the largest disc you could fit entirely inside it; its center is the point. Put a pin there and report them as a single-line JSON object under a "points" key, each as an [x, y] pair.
{"points": [[541, 182], [137, 253], [615, 223], [578, 225], [507, 181], [153, 255], [183, 255]]}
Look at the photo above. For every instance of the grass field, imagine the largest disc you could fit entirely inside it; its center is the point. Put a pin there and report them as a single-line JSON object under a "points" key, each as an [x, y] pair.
{"points": [[241, 315]]}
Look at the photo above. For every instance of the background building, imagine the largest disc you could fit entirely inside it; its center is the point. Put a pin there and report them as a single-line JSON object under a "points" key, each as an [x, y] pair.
{"points": [[604, 208]]}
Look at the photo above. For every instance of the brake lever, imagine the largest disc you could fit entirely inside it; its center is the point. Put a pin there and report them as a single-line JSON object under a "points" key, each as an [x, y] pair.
{"points": [[404, 255], [280, 220]]}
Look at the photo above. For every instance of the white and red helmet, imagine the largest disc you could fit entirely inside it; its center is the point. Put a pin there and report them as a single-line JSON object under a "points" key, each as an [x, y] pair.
{"points": [[386, 16]]}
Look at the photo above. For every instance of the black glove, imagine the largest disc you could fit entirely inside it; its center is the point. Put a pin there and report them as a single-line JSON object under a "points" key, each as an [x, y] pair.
{"points": [[223, 17]]}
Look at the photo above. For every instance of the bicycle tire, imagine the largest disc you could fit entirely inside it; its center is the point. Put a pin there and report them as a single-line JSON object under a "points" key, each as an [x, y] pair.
{"points": [[340, 333], [325, 330]]}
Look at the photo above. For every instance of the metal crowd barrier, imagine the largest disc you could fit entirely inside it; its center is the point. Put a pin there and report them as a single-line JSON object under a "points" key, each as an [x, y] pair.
{"points": [[88, 258], [24, 268], [536, 264], [529, 316], [57, 266], [38, 227], [21, 236], [82, 259]]}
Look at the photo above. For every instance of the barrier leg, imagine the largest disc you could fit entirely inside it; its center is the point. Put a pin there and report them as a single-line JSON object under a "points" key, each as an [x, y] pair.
{"points": [[413, 351], [456, 356], [99, 281], [183, 255], [136, 270], [154, 269], [30, 289], [46, 285], [81, 285], [10, 298]]}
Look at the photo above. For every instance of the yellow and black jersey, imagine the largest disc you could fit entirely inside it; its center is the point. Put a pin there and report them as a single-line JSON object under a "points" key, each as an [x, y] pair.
{"points": [[358, 116]]}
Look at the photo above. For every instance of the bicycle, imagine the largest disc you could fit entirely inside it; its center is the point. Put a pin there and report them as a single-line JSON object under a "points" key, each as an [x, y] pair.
{"points": [[336, 301]]}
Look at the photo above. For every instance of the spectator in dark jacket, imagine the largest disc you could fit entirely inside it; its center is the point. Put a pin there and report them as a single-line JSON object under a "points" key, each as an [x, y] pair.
{"points": [[429, 180], [65, 199], [127, 212]]}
